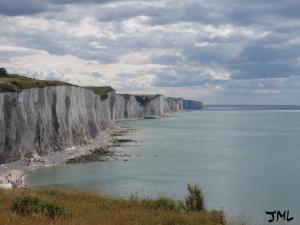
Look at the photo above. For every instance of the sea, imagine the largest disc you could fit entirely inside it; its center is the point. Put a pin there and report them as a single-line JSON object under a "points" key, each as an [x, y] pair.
{"points": [[246, 160]]}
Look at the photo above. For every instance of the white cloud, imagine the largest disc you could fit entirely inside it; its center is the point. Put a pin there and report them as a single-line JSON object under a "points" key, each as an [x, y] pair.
{"points": [[196, 49]]}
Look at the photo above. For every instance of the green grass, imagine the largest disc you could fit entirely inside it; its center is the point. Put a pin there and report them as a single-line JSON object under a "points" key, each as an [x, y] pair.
{"points": [[91, 208], [31, 205], [102, 91], [163, 203], [15, 83]]}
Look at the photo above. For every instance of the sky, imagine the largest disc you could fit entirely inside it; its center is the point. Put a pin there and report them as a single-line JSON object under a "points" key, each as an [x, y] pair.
{"points": [[220, 52]]}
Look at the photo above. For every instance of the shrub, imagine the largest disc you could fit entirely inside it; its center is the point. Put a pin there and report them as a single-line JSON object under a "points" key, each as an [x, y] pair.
{"points": [[162, 203], [26, 205], [195, 200], [34, 206], [53, 210]]}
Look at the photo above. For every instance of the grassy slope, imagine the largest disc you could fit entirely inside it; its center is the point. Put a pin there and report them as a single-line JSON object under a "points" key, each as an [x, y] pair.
{"points": [[92, 209], [15, 83], [102, 91]]}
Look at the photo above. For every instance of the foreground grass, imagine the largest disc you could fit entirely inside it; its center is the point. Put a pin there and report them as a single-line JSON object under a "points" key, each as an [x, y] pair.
{"points": [[88, 208]]}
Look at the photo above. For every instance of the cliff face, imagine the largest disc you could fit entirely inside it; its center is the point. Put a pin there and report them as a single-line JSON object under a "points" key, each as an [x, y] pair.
{"points": [[172, 105], [136, 107], [141, 106], [51, 119], [43, 120]]}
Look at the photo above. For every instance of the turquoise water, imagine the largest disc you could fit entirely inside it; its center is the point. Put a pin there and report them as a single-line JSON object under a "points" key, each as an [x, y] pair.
{"points": [[245, 161]]}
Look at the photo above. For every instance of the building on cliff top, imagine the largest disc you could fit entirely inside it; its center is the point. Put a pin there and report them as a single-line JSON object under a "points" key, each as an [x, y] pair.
{"points": [[3, 71]]}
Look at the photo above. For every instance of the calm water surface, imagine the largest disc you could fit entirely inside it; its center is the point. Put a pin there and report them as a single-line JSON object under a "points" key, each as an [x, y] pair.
{"points": [[245, 161]]}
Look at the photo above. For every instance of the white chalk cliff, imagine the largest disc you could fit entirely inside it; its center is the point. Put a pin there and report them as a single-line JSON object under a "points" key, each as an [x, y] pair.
{"points": [[43, 120]]}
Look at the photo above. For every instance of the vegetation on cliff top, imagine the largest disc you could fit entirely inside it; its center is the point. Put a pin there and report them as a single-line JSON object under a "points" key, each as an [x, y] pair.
{"points": [[70, 206], [102, 91], [16, 83]]}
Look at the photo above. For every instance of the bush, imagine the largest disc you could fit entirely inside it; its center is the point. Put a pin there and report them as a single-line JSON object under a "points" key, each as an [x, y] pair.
{"points": [[26, 205], [162, 203], [34, 206], [195, 200], [53, 210]]}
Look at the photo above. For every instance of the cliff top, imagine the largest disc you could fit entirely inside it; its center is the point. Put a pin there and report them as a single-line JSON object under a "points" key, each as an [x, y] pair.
{"points": [[16, 83], [102, 91]]}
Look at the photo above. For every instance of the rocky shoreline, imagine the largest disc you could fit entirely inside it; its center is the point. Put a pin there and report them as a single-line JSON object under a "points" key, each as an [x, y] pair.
{"points": [[12, 175], [99, 149]]}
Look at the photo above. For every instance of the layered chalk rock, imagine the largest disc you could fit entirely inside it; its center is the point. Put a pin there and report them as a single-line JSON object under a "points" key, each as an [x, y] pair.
{"points": [[50, 119], [172, 105], [137, 106], [44, 120], [141, 106]]}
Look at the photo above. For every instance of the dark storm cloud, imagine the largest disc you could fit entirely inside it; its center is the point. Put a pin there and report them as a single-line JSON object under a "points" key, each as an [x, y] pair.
{"points": [[264, 71], [229, 11], [82, 1], [261, 61], [30, 7], [212, 12], [258, 52], [23, 7]]}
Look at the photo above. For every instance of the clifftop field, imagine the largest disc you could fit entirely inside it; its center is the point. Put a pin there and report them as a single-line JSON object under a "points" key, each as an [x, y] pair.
{"points": [[87, 208], [16, 83]]}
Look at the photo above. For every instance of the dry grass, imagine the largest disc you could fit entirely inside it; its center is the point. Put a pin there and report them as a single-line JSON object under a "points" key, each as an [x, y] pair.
{"points": [[88, 208]]}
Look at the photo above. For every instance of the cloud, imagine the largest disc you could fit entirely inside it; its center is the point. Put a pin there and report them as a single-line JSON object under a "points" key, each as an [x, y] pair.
{"points": [[239, 12], [20, 7], [82, 1], [244, 53], [30, 7]]}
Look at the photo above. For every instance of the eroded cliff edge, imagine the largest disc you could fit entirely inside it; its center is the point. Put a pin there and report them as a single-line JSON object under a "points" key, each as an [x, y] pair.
{"points": [[43, 120]]}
